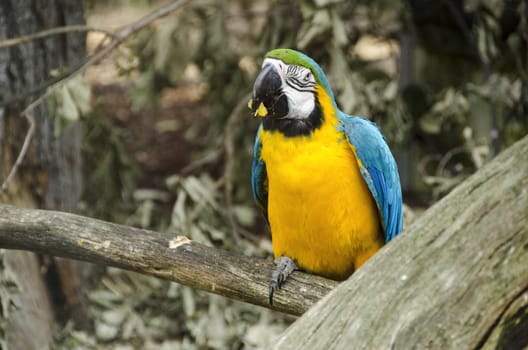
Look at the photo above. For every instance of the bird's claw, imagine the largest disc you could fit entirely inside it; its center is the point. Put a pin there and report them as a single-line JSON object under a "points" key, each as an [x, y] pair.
{"points": [[285, 266]]}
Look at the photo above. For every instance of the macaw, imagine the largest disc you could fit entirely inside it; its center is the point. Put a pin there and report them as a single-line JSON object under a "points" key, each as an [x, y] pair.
{"points": [[326, 181]]}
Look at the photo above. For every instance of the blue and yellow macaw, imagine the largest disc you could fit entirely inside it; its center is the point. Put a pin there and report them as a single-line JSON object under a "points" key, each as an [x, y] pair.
{"points": [[326, 181]]}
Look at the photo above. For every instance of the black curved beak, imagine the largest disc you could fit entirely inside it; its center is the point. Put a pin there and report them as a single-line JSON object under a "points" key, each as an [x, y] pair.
{"points": [[268, 99]]}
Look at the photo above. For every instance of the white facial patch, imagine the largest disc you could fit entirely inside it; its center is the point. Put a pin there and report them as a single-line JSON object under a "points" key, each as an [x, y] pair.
{"points": [[298, 84]]}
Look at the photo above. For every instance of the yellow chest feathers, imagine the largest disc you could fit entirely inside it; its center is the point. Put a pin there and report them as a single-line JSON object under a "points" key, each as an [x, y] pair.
{"points": [[320, 210]]}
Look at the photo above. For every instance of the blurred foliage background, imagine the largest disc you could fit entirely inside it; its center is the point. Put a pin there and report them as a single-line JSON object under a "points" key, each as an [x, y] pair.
{"points": [[168, 139]]}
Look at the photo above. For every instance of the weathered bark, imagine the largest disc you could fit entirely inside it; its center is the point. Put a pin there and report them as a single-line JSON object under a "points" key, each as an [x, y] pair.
{"points": [[50, 176], [52, 170], [29, 297], [168, 256], [456, 279]]}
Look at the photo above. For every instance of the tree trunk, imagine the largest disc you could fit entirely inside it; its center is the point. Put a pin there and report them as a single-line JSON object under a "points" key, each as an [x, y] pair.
{"points": [[172, 257], [50, 175], [456, 279]]}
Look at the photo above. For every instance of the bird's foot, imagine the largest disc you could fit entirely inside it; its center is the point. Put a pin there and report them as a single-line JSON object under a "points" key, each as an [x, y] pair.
{"points": [[285, 266]]}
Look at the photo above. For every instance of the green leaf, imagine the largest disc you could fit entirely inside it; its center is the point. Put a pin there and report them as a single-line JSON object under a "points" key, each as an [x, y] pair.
{"points": [[244, 214], [319, 24], [80, 93], [338, 28]]}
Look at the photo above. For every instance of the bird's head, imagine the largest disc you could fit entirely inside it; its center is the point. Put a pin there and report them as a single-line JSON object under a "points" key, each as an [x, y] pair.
{"points": [[288, 91]]}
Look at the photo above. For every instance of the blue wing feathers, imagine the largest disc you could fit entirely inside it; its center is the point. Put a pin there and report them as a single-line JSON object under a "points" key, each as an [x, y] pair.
{"points": [[259, 177], [257, 182], [379, 170], [381, 190]]}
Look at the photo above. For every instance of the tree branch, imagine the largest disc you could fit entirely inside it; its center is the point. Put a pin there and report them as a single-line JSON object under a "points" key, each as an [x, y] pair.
{"points": [[51, 32], [168, 256]]}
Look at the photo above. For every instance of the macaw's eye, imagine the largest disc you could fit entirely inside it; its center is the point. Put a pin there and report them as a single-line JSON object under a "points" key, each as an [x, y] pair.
{"points": [[308, 76]]}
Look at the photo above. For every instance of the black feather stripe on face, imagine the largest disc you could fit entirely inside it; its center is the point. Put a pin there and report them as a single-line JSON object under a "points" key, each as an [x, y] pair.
{"points": [[298, 85], [296, 127]]}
